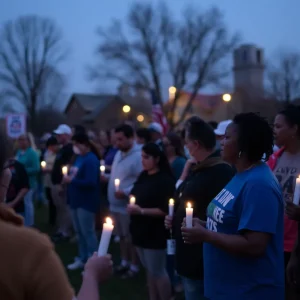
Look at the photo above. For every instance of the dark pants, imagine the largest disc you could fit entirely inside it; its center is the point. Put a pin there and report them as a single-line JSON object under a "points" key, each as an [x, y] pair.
{"points": [[52, 207]]}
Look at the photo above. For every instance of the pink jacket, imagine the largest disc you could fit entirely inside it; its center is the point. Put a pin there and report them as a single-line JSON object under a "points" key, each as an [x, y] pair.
{"points": [[290, 226]]}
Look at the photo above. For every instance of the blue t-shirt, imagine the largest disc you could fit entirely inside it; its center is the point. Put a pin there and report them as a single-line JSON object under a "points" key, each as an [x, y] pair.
{"points": [[84, 189], [252, 200]]}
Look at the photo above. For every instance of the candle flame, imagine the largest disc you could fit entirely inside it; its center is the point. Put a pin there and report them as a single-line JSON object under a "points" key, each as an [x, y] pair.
{"points": [[117, 181], [43, 164], [108, 221], [65, 170], [171, 201], [299, 176], [189, 205], [132, 200], [102, 168]]}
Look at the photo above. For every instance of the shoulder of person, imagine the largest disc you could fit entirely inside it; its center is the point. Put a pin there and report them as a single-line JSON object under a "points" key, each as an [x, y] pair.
{"points": [[28, 241]]}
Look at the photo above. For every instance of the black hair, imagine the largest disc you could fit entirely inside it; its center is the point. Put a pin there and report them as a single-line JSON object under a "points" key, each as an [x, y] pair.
{"points": [[155, 151], [292, 116], [52, 141], [126, 129], [213, 124], [144, 133], [79, 129], [83, 138], [199, 130], [255, 136], [176, 142], [6, 150]]}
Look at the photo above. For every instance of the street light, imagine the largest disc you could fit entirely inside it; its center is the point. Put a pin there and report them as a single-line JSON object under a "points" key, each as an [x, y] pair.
{"points": [[226, 97], [172, 92], [126, 109], [140, 118]]}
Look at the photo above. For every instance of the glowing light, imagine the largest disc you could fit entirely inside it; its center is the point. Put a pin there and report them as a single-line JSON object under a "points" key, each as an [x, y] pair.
{"points": [[172, 89], [126, 109], [226, 97], [108, 221], [171, 201], [189, 205], [140, 118]]}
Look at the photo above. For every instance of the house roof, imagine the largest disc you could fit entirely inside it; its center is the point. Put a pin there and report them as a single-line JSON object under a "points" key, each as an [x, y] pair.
{"points": [[90, 102], [100, 107]]}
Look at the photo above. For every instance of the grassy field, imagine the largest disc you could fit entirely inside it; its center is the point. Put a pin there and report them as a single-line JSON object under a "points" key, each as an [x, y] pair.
{"points": [[115, 288]]}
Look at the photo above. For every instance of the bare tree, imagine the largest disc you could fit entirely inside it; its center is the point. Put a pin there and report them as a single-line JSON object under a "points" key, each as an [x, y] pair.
{"points": [[48, 118], [284, 76], [157, 47], [30, 52]]}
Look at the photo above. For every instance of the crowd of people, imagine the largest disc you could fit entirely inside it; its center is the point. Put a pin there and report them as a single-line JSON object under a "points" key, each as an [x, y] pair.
{"points": [[238, 176]]}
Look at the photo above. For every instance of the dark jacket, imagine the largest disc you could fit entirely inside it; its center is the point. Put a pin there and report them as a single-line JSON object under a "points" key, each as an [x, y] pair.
{"points": [[205, 181]]}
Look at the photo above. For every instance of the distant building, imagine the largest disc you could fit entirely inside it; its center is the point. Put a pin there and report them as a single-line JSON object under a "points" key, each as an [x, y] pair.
{"points": [[248, 93], [104, 111]]}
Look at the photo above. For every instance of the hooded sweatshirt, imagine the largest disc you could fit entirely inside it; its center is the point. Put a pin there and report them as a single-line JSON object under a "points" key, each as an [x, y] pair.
{"points": [[126, 167], [30, 268]]}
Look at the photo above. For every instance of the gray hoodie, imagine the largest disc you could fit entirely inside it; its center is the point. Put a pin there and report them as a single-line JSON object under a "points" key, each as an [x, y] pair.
{"points": [[126, 166]]}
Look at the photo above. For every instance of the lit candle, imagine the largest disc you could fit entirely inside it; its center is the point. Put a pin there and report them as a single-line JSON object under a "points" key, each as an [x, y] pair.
{"points": [[171, 207], [189, 216], [297, 191], [43, 164], [105, 237], [132, 200], [102, 169], [117, 184], [65, 170]]}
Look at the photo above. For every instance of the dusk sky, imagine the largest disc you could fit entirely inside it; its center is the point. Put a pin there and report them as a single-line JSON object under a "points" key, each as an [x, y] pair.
{"points": [[271, 24]]}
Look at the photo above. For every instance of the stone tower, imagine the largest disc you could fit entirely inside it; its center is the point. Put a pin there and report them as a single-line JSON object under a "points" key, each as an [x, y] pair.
{"points": [[248, 71]]}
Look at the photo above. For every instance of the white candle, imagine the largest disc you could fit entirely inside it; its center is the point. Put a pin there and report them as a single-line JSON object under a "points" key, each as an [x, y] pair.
{"points": [[171, 207], [132, 200], [105, 237], [65, 170], [297, 191], [43, 164], [102, 169], [189, 216], [117, 184]]}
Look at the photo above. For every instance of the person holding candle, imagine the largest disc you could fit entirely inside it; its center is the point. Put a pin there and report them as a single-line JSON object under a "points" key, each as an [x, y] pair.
{"points": [[49, 157], [285, 164], [30, 159], [126, 167], [84, 197], [244, 225], [203, 181], [63, 158], [152, 191]]}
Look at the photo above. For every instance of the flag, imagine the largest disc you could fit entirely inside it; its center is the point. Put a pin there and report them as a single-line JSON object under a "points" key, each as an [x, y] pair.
{"points": [[158, 115]]}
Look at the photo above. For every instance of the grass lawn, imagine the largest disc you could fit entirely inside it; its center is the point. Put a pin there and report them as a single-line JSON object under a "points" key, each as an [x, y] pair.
{"points": [[115, 288]]}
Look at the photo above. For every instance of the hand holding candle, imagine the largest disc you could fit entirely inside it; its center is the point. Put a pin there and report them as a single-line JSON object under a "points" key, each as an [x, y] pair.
{"points": [[105, 237], [297, 191], [117, 184], [171, 207], [189, 216]]}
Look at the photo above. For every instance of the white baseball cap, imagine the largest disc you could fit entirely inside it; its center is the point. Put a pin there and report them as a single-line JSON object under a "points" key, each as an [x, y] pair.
{"points": [[221, 129], [63, 129], [156, 127]]}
